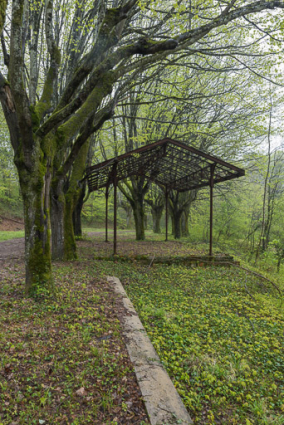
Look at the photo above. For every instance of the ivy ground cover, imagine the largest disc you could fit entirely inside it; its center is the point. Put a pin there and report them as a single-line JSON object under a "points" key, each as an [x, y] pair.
{"points": [[219, 333]]}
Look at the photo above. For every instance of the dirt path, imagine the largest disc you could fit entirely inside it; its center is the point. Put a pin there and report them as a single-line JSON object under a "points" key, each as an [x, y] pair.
{"points": [[12, 249]]}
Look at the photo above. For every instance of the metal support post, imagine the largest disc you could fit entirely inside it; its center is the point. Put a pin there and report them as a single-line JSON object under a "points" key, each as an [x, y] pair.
{"points": [[115, 216], [211, 208], [106, 195], [167, 195]]}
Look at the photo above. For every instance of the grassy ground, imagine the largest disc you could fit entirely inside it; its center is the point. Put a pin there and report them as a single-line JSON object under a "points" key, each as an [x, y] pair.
{"points": [[7, 235]]}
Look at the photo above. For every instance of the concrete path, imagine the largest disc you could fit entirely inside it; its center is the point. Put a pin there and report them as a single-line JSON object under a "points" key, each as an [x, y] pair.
{"points": [[163, 403]]}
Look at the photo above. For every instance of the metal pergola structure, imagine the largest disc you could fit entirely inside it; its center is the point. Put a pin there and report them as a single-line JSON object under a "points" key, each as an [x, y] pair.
{"points": [[171, 164]]}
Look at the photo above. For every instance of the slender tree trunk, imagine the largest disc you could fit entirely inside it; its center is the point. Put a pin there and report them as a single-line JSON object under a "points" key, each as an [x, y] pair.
{"points": [[138, 212], [70, 252], [262, 243], [177, 223], [57, 222], [173, 224], [77, 221], [128, 216], [145, 221], [3, 6], [184, 222]]}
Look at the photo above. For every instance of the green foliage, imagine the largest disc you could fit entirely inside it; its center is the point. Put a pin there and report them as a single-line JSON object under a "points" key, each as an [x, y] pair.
{"points": [[11, 202], [7, 235], [219, 335]]}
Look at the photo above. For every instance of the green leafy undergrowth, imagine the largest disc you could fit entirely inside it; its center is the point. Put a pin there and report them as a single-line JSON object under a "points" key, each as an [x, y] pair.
{"points": [[219, 333], [63, 361]]}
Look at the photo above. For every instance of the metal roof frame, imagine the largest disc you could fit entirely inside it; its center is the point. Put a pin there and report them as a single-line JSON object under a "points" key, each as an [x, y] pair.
{"points": [[168, 163], [171, 164]]}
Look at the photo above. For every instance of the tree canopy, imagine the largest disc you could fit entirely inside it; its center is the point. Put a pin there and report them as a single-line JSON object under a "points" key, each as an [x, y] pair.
{"points": [[69, 64]]}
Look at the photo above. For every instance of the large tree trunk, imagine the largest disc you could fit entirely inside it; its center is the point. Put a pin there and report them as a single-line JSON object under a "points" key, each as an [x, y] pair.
{"points": [[35, 191], [63, 205], [71, 198]]}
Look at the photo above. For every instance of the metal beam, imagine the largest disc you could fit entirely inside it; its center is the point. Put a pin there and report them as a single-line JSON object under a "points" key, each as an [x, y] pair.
{"points": [[115, 210], [211, 208], [106, 195]]}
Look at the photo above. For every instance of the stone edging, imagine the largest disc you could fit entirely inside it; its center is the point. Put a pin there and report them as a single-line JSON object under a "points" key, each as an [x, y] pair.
{"points": [[163, 404]]}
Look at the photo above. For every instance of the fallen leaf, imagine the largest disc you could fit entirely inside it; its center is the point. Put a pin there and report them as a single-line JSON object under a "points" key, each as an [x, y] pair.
{"points": [[7, 369], [81, 392]]}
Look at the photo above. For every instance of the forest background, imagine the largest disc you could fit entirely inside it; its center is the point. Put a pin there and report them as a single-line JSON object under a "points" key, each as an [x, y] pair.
{"points": [[82, 82]]}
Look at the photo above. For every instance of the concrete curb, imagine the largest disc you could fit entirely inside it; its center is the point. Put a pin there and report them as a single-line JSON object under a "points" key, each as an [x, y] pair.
{"points": [[163, 404]]}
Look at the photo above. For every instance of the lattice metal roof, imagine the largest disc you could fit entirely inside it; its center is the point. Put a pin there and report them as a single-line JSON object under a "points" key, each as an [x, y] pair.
{"points": [[168, 163]]}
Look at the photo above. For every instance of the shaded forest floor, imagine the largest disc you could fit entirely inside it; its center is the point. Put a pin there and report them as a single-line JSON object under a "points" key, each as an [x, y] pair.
{"points": [[218, 331], [63, 361]]}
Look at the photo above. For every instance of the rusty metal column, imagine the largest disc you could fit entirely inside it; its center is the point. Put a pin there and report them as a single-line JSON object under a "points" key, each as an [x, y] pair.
{"points": [[167, 194], [106, 195], [212, 168], [114, 215]]}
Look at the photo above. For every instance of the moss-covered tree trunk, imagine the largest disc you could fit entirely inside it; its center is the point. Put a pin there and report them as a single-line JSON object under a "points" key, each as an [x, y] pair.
{"points": [[71, 198], [184, 222], [177, 223], [180, 204], [57, 222], [176, 213], [128, 217], [70, 251], [135, 193], [157, 213], [35, 184]]}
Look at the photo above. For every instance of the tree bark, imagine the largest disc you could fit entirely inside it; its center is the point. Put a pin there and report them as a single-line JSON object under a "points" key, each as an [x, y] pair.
{"points": [[157, 203], [77, 220], [135, 194], [57, 222], [157, 213], [138, 212], [180, 204], [71, 198], [177, 223], [184, 222], [35, 193]]}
